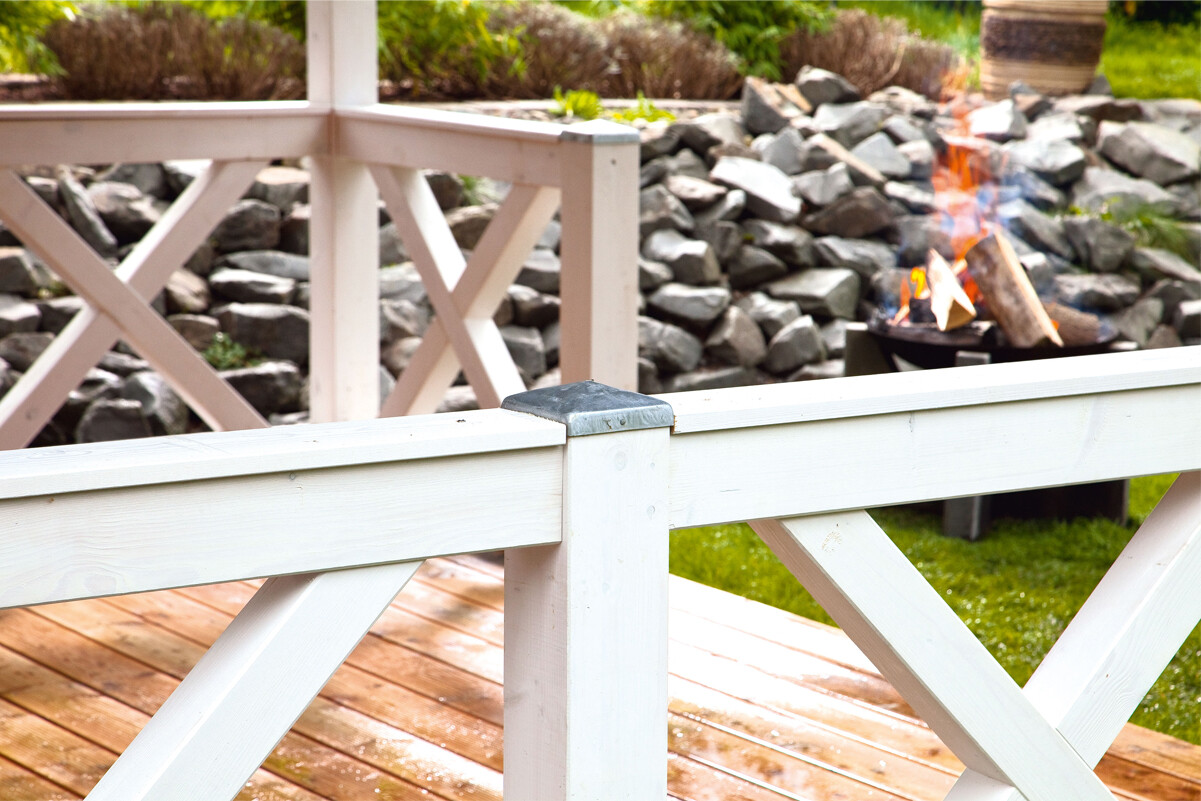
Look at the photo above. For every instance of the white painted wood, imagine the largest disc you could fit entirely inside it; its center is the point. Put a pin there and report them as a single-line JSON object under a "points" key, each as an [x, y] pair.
{"points": [[928, 454], [48, 235], [103, 133], [344, 228], [880, 600], [599, 250], [464, 296], [317, 446], [773, 404], [244, 694], [468, 144], [586, 632], [33, 401], [1123, 637], [154, 536]]}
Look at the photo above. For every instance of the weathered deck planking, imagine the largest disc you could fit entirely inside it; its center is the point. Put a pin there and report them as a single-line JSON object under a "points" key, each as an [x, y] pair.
{"points": [[765, 705]]}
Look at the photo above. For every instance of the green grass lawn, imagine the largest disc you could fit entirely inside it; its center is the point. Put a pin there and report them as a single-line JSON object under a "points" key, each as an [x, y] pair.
{"points": [[1016, 589]]}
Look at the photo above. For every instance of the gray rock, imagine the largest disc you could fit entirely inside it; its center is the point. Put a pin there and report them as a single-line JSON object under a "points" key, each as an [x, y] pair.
{"points": [[1100, 188], [47, 190], [294, 230], [914, 198], [282, 187], [796, 344], [652, 274], [1056, 161], [1100, 246], [879, 151], [659, 210], [467, 223], [861, 173], [397, 355], [1061, 127], [197, 329], [825, 292], [814, 156], [999, 121], [552, 336], [276, 331], [862, 212], [181, 172], [790, 243], [834, 338], [710, 130], [658, 139], [1157, 263], [830, 368], [821, 188], [270, 387], [902, 129], [752, 266], [768, 107], [1040, 230], [20, 349], [708, 378], [57, 312], [692, 261], [458, 399], [850, 123], [820, 86], [693, 308], [551, 236], [447, 188], [391, 248], [769, 314], [669, 347], [694, 193], [122, 364], [532, 308], [1151, 151], [16, 314], [245, 286], [126, 212], [1187, 320], [686, 162], [249, 225], [97, 385], [269, 262], [160, 405], [114, 419], [768, 190], [723, 236], [905, 101], [785, 152], [187, 293], [82, 214], [1164, 336], [541, 271], [728, 209], [1138, 321], [201, 260], [864, 256], [736, 339], [17, 272], [400, 318], [150, 179], [1096, 292], [1034, 190], [526, 348], [917, 235], [922, 158], [402, 281]]}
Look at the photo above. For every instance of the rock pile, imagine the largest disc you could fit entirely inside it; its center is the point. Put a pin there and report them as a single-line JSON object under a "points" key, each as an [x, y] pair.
{"points": [[763, 232]]}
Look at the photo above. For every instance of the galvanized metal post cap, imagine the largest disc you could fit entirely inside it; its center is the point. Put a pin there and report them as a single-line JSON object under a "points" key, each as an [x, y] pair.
{"points": [[588, 407]]}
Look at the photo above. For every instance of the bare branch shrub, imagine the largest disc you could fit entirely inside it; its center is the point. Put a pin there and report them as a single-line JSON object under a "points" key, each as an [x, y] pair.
{"points": [[113, 52], [665, 59], [558, 48], [872, 53]]}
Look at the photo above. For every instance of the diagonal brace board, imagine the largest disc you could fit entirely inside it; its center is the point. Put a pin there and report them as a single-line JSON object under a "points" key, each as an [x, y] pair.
{"points": [[1124, 635], [464, 294], [889, 610], [119, 296], [251, 686]]}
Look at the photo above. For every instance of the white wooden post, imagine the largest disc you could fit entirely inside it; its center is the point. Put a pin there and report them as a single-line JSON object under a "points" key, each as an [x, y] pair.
{"points": [[344, 231], [586, 620], [599, 288]]}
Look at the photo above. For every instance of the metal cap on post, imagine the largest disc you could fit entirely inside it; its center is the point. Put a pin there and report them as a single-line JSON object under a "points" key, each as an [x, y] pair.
{"points": [[589, 407]]}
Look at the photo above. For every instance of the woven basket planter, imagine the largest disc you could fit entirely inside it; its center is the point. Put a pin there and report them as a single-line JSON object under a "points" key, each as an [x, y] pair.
{"points": [[1052, 45]]}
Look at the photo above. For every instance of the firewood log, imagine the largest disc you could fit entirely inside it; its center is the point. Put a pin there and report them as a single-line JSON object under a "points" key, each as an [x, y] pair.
{"points": [[1010, 296]]}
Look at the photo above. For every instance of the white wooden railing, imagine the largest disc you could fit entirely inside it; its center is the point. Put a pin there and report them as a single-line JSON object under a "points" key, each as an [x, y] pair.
{"points": [[359, 151], [581, 486]]}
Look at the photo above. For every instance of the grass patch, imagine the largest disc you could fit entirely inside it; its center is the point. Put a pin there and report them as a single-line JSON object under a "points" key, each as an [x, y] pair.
{"points": [[1016, 589], [1149, 59]]}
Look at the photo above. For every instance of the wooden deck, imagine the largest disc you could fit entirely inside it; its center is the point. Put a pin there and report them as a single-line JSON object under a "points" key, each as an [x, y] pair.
{"points": [[765, 705]]}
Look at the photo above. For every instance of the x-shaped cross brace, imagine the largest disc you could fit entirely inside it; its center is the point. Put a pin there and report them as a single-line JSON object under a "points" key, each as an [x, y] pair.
{"points": [[464, 294], [118, 303], [1040, 743]]}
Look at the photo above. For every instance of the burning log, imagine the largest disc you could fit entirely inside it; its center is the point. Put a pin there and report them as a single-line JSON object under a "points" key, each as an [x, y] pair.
{"points": [[1076, 327], [994, 266], [951, 306]]}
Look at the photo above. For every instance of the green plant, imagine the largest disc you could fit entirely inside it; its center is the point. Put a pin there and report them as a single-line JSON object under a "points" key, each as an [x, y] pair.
{"points": [[223, 353], [21, 28], [1152, 59], [577, 104], [752, 31], [643, 110], [1151, 226]]}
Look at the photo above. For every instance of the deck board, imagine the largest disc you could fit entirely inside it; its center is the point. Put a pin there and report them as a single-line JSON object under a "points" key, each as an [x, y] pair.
{"points": [[766, 706]]}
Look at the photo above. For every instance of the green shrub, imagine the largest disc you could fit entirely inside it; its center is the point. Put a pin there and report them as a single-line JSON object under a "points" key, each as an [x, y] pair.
{"points": [[223, 353], [642, 110], [156, 51], [579, 104], [752, 31], [21, 29]]}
